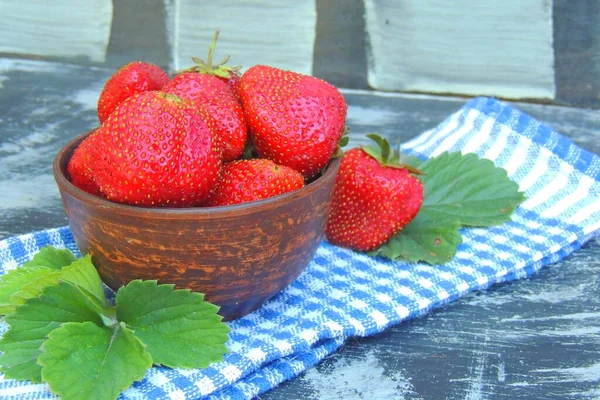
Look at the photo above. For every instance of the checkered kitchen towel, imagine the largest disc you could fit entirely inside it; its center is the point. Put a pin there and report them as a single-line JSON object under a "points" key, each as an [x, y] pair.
{"points": [[344, 294]]}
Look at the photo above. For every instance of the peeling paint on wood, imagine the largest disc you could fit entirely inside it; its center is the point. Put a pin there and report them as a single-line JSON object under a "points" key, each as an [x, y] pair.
{"points": [[345, 378], [56, 29], [278, 33], [499, 48], [43, 104]]}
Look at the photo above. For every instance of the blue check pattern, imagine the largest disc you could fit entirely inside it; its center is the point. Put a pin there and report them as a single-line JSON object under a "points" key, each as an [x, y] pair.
{"points": [[344, 294]]}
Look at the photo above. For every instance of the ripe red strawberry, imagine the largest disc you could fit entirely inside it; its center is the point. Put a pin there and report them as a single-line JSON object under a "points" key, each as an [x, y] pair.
{"points": [[226, 73], [233, 82], [133, 78], [374, 197], [295, 120], [155, 149], [211, 94], [248, 180], [79, 166]]}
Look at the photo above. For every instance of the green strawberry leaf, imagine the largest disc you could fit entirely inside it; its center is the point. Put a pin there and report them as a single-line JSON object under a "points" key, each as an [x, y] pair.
{"points": [[178, 326], [81, 360], [83, 274], [31, 322], [51, 257], [31, 278], [22, 283], [66, 333], [426, 238], [459, 190], [472, 190]]}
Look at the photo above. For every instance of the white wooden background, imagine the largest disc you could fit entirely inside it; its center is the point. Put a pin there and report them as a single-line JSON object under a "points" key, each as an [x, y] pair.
{"points": [[470, 47]]}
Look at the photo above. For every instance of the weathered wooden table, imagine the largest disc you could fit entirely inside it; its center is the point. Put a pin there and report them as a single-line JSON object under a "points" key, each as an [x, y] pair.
{"points": [[537, 338]]}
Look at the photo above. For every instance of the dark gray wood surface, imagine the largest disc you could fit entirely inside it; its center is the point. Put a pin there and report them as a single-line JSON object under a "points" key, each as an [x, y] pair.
{"points": [[537, 338]]}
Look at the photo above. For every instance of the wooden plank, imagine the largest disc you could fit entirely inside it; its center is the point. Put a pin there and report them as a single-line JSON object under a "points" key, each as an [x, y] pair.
{"points": [[58, 29], [340, 47], [501, 48], [139, 34], [576, 50], [278, 33]]}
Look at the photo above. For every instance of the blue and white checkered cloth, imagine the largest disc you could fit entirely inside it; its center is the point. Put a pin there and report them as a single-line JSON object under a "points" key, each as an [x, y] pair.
{"points": [[343, 293]]}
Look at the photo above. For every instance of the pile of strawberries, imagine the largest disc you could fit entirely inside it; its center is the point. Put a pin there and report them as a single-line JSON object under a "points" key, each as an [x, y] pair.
{"points": [[209, 136]]}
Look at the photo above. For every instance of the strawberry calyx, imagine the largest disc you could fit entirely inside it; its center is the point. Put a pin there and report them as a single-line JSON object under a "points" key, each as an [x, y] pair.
{"points": [[386, 156], [219, 69], [344, 140]]}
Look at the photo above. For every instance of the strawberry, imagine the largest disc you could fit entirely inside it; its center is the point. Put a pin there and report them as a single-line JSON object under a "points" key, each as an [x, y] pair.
{"points": [[228, 74], [295, 120], [79, 167], [233, 82], [248, 180], [155, 149], [374, 197], [211, 94], [132, 78]]}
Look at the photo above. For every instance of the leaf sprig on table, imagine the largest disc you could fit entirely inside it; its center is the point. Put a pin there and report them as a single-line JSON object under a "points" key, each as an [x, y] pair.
{"points": [[64, 331], [459, 190]]}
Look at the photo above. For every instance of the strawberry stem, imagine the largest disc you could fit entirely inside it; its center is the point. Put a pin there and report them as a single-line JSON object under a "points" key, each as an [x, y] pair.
{"points": [[220, 69], [211, 49]]}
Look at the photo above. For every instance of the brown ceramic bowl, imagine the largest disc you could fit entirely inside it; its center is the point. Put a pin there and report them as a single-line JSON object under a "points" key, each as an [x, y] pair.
{"points": [[239, 256]]}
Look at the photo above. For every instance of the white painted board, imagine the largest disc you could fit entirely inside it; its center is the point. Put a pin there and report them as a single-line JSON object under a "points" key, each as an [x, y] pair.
{"points": [[278, 33], [496, 47], [60, 28]]}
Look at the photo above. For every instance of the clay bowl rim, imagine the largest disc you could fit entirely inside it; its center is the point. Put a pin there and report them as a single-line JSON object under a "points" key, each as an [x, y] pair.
{"points": [[219, 212]]}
